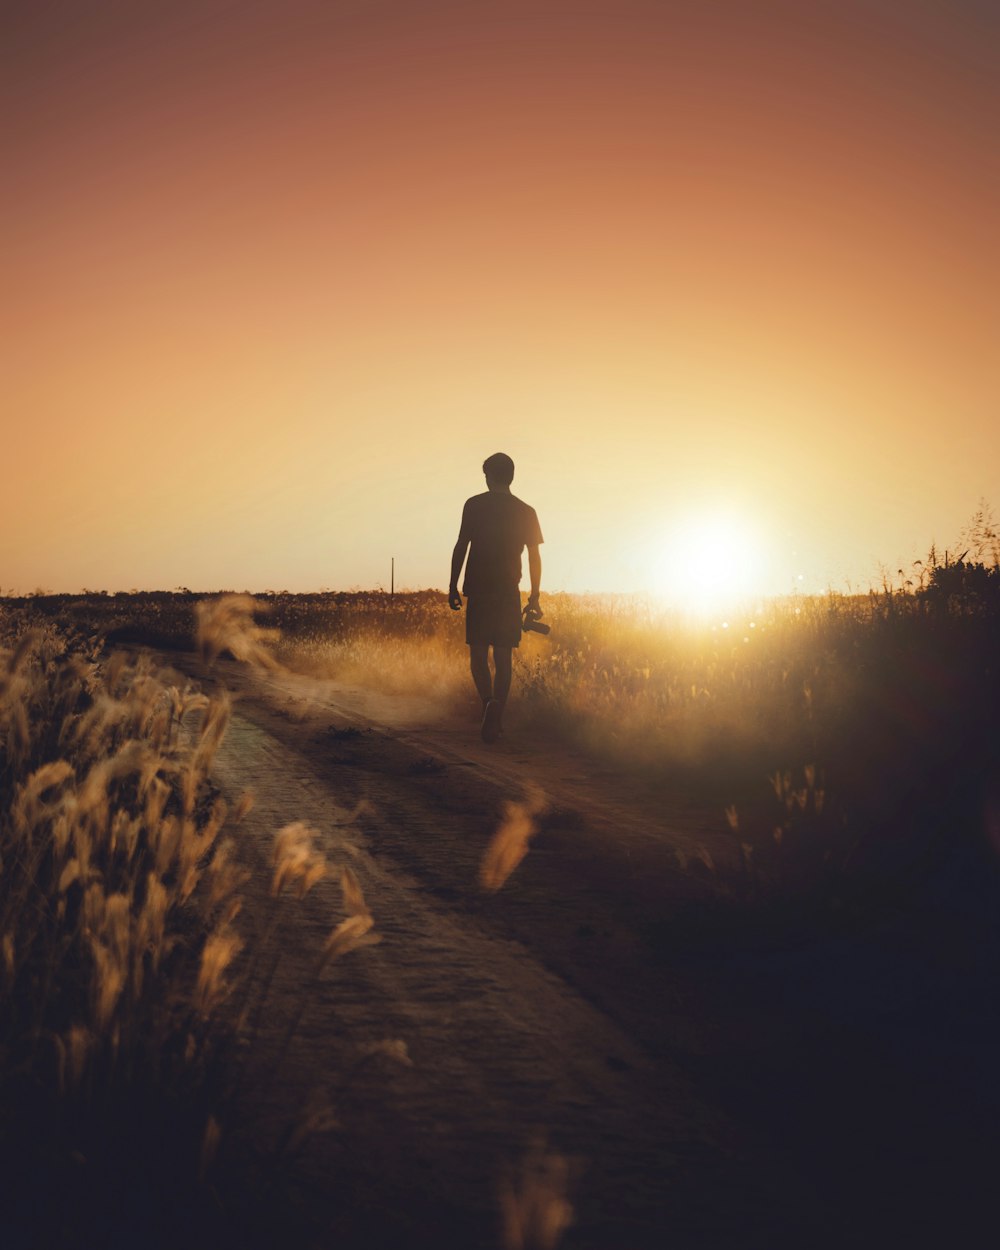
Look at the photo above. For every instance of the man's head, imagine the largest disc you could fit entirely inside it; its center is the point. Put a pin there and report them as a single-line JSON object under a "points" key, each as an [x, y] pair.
{"points": [[499, 468]]}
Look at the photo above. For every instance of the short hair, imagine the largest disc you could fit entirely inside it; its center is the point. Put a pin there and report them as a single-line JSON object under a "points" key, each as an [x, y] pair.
{"points": [[499, 467]]}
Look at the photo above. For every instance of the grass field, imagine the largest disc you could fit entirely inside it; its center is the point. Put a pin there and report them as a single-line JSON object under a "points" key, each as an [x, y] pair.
{"points": [[867, 693], [852, 743], [812, 722], [125, 961]]}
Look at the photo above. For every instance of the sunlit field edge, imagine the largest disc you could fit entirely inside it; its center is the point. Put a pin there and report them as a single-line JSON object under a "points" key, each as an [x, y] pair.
{"points": [[848, 743], [868, 695]]}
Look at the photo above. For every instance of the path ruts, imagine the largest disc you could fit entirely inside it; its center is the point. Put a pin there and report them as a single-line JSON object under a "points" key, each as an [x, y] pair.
{"points": [[535, 1015]]}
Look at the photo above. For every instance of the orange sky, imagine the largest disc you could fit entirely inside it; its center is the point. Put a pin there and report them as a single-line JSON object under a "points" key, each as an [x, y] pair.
{"points": [[279, 275]]}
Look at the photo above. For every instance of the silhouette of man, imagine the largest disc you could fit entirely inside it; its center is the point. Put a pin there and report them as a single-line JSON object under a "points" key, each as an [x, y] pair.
{"points": [[496, 527]]}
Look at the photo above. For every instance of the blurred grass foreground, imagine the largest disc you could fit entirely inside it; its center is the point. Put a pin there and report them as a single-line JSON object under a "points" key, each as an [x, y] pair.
{"points": [[130, 974]]}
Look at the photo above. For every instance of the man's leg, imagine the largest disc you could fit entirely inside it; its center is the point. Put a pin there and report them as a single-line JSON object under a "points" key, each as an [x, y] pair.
{"points": [[479, 662], [493, 710], [501, 682]]}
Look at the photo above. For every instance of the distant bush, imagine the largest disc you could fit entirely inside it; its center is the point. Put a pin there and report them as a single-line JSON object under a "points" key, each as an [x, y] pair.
{"points": [[964, 585]]}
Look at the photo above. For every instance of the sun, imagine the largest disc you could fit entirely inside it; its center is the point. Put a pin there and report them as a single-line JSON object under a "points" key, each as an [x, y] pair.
{"points": [[708, 560]]}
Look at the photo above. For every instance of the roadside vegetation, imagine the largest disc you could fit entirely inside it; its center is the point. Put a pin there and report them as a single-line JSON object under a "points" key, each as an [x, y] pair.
{"points": [[129, 970], [811, 722], [850, 745]]}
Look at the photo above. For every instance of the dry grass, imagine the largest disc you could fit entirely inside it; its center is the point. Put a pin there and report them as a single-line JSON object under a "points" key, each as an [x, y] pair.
{"points": [[534, 1201], [122, 957], [228, 623], [620, 677], [509, 844], [827, 730], [869, 689]]}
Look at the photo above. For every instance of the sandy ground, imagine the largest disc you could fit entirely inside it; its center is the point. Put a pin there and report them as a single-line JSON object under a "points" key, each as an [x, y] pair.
{"points": [[567, 1009]]}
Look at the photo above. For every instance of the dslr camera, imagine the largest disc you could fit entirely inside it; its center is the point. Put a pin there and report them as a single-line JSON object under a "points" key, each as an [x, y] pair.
{"points": [[530, 622]]}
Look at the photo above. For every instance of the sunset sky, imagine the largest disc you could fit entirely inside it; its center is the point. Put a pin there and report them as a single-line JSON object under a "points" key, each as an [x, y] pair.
{"points": [[279, 275]]}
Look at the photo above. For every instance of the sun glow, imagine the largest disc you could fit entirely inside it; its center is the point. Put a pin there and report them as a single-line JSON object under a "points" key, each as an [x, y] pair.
{"points": [[708, 560]]}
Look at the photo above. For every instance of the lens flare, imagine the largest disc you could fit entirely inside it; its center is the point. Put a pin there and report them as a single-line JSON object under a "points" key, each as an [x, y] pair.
{"points": [[708, 560]]}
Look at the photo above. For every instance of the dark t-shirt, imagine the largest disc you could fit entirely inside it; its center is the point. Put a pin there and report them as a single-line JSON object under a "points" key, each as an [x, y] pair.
{"points": [[499, 526]]}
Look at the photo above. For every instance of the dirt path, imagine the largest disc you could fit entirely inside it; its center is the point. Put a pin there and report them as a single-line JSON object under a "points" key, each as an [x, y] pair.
{"points": [[538, 1014], [711, 1076]]}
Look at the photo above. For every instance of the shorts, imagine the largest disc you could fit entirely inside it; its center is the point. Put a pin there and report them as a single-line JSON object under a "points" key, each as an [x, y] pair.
{"points": [[493, 619]]}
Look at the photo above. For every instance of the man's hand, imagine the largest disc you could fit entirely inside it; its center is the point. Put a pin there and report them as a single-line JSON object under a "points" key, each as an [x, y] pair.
{"points": [[454, 599], [532, 610]]}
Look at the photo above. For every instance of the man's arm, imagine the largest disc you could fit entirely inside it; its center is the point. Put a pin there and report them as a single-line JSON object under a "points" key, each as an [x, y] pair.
{"points": [[457, 560]]}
